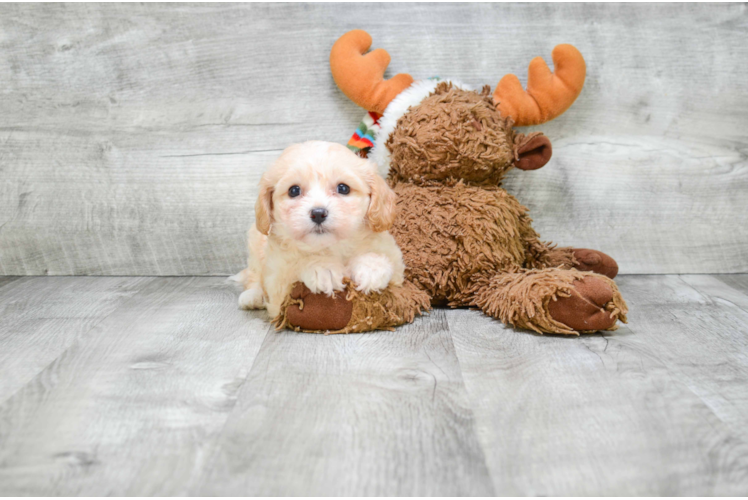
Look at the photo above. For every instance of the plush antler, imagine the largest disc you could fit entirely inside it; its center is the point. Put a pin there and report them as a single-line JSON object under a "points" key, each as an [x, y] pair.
{"points": [[361, 77], [548, 94]]}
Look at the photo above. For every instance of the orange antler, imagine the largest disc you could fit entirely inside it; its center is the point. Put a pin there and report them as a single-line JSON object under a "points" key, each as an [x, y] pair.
{"points": [[548, 94], [361, 77]]}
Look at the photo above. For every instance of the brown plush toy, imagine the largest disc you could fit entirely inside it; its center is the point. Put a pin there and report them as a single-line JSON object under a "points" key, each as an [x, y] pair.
{"points": [[465, 240], [351, 311]]}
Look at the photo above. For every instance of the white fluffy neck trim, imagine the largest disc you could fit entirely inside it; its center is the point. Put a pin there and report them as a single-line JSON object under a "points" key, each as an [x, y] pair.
{"points": [[412, 96]]}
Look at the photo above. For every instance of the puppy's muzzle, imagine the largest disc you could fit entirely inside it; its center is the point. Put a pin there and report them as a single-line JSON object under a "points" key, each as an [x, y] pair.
{"points": [[318, 215]]}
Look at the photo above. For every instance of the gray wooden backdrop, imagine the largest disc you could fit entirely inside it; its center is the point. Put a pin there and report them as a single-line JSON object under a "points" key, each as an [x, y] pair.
{"points": [[132, 137]]}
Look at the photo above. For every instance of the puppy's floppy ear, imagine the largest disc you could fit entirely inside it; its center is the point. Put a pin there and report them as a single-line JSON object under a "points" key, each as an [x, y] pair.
{"points": [[382, 205], [264, 206]]}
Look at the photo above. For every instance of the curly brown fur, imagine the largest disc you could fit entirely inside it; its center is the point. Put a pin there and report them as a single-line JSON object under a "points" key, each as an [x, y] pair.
{"points": [[465, 240], [449, 235], [541, 254], [522, 298], [452, 134]]}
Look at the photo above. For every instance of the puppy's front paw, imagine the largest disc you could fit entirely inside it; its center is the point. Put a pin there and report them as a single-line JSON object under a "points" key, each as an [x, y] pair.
{"points": [[252, 298], [371, 272], [325, 280]]}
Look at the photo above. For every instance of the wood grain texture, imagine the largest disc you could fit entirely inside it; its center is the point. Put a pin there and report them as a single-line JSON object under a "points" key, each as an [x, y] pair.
{"points": [[132, 136], [42, 317], [177, 392], [134, 406], [382, 415], [736, 281], [655, 408], [6, 280]]}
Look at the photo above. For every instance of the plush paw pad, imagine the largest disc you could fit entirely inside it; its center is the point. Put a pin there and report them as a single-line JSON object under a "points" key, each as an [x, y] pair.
{"points": [[595, 261], [310, 311], [587, 308]]}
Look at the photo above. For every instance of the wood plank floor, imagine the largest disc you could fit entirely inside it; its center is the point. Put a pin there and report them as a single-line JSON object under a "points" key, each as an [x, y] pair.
{"points": [[145, 386]]}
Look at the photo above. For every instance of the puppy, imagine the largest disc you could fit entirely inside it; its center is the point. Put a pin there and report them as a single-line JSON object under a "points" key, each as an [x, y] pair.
{"points": [[322, 214]]}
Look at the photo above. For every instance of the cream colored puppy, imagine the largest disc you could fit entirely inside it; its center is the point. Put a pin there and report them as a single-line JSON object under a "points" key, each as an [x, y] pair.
{"points": [[322, 214]]}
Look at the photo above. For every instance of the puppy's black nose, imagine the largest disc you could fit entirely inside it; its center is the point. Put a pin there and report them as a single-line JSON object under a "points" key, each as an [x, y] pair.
{"points": [[319, 215]]}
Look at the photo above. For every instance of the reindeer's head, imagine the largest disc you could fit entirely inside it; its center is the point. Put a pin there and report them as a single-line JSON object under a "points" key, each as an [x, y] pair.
{"points": [[437, 131]]}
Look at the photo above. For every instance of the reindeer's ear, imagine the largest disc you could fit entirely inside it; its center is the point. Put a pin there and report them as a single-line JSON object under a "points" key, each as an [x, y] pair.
{"points": [[532, 152], [264, 206], [382, 206]]}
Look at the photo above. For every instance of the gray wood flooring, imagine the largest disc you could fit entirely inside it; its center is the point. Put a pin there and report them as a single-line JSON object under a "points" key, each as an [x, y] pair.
{"points": [[132, 136], [144, 386]]}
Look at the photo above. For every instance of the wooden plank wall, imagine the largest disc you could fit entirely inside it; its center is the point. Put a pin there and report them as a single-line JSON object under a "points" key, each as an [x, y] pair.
{"points": [[132, 136]]}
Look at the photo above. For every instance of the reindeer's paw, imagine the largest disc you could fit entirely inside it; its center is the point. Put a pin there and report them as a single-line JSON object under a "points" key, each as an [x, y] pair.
{"points": [[310, 311], [595, 261], [590, 307]]}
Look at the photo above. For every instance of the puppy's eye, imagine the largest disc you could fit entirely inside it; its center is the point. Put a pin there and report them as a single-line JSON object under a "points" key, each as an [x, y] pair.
{"points": [[343, 188], [294, 191]]}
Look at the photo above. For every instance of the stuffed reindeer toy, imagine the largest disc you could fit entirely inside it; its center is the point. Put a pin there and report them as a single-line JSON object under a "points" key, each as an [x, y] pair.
{"points": [[465, 240]]}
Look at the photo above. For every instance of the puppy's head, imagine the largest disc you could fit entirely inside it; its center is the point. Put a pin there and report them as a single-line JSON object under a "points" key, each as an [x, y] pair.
{"points": [[319, 193]]}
